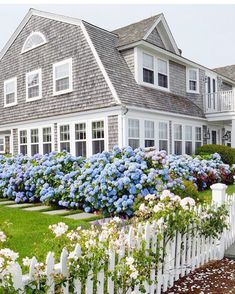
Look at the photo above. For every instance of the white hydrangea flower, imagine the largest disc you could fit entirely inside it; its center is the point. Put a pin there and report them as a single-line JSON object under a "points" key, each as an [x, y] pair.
{"points": [[134, 275], [26, 261], [129, 260], [59, 229], [165, 194], [150, 197], [3, 237], [187, 203], [142, 207]]}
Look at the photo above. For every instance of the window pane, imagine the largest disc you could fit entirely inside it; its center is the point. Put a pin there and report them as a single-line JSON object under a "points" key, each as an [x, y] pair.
{"points": [[198, 144], [33, 79], [97, 146], [193, 85], [98, 130], [198, 134], [188, 148], [178, 147], [178, 132], [81, 148], [64, 133], [162, 66], [163, 145], [10, 98], [62, 84], [34, 41], [65, 146], [80, 131], [163, 130], [34, 149], [192, 74], [148, 76], [23, 137], [33, 92], [23, 149], [47, 148], [46, 134], [149, 143], [134, 143], [62, 71], [10, 87], [188, 133], [34, 136], [1, 144], [133, 128], [149, 129], [148, 61], [162, 81]]}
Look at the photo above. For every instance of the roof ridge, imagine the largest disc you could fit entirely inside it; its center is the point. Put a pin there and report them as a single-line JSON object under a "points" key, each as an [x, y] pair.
{"points": [[136, 22]]}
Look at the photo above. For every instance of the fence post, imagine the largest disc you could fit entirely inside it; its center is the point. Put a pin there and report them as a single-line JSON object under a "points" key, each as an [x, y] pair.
{"points": [[218, 193]]}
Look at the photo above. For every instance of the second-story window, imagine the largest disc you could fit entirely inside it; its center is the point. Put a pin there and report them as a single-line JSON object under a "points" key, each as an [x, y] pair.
{"points": [[62, 77], [148, 68], [162, 73], [10, 92], [33, 85], [192, 80]]}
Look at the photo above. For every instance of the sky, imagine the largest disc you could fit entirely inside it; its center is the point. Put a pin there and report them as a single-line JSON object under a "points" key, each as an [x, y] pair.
{"points": [[205, 33]]}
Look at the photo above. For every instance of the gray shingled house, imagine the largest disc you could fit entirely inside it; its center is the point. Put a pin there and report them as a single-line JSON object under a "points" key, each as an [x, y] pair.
{"points": [[68, 84]]}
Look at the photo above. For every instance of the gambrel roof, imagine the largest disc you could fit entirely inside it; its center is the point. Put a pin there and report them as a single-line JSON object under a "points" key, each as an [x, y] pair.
{"points": [[105, 45]]}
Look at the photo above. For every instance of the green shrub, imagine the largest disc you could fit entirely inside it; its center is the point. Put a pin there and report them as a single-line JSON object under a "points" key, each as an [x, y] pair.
{"points": [[189, 191], [227, 153]]}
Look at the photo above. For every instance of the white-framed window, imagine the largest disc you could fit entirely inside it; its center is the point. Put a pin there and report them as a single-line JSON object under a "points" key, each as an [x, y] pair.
{"points": [[148, 68], [80, 139], [62, 77], [133, 133], [189, 140], [192, 80], [163, 136], [2, 145], [46, 140], [10, 92], [178, 139], [162, 73], [34, 141], [65, 137], [34, 85], [23, 142], [149, 133], [34, 40], [97, 136], [198, 137]]}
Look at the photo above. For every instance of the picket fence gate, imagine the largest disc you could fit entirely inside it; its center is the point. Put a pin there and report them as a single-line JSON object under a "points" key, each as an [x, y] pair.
{"points": [[183, 254]]}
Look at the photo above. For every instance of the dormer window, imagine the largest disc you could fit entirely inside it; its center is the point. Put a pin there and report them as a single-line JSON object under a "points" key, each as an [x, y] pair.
{"points": [[148, 68], [34, 40]]}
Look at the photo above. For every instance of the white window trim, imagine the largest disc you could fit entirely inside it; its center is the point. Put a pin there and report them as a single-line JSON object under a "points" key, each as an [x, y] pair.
{"points": [[3, 151], [70, 89], [187, 80], [140, 65], [5, 83], [33, 33], [39, 72]]}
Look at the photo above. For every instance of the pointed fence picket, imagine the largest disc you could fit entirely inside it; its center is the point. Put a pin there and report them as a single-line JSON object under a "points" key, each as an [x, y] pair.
{"points": [[180, 256]]}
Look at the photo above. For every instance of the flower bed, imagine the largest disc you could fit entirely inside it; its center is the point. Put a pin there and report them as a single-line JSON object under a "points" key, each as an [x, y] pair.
{"points": [[108, 182]]}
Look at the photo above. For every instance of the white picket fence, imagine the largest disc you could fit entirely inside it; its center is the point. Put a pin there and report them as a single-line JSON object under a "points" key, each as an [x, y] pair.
{"points": [[183, 254]]}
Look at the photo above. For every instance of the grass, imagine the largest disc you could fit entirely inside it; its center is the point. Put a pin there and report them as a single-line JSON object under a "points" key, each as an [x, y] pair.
{"points": [[207, 194], [29, 233]]}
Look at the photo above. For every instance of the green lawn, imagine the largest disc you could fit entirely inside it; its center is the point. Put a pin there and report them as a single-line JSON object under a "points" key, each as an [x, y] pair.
{"points": [[29, 233], [206, 195]]}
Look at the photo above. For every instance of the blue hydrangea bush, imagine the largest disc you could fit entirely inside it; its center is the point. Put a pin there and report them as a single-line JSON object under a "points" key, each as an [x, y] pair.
{"points": [[108, 182]]}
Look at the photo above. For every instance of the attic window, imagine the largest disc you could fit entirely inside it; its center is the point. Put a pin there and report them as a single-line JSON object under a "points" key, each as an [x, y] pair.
{"points": [[34, 40]]}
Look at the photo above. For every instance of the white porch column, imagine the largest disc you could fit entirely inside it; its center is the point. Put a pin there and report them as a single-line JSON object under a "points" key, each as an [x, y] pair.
{"points": [[233, 134]]}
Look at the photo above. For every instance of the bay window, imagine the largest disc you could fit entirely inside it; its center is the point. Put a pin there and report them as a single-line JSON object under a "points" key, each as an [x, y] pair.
{"points": [[163, 136], [80, 139], [62, 77], [65, 138], [133, 133], [34, 140], [198, 137], [23, 142], [178, 139], [10, 92], [149, 133], [162, 73], [188, 140], [97, 137], [148, 68], [46, 140], [33, 85]]}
